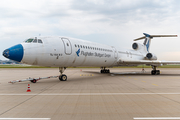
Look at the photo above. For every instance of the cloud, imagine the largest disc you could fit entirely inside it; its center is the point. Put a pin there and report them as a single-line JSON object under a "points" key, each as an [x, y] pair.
{"points": [[115, 22]]}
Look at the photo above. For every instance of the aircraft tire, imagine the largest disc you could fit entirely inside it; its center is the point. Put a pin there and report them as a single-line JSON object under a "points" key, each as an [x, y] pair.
{"points": [[105, 71], [157, 72], [33, 81], [63, 78], [153, 72]]}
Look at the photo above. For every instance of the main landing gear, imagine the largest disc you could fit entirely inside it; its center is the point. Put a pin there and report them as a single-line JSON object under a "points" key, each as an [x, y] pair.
{"points": [[154, 71], [62, 77], [104, 70]]}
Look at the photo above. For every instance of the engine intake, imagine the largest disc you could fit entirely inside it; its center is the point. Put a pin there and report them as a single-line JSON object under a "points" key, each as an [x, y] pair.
{"points": [[137, 46], [151, 56]]}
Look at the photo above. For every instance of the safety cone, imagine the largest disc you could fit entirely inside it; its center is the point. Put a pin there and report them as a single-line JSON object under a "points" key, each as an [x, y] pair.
{"points": [[28, 90]]}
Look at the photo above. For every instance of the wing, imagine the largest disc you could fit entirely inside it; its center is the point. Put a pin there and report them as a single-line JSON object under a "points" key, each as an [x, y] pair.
{"points": [[146, 62]]}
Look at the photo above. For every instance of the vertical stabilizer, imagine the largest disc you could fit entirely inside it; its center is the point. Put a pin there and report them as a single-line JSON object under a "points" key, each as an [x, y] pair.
{"points": [[147, 41]]}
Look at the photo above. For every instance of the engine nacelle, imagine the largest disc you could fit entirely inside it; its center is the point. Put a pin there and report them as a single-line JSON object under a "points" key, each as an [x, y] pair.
{"points": [[137, 46], [151, 56]]}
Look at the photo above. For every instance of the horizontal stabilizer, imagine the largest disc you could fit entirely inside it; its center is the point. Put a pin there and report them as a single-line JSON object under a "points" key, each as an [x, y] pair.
{"points": [[151, 36]]}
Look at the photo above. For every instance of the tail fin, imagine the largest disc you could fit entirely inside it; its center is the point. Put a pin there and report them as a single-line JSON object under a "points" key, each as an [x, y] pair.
{"points": [[148, 38]]}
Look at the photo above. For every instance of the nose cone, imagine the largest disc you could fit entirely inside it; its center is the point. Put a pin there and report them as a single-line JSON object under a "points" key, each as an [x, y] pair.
{"points": [[14, 53]]}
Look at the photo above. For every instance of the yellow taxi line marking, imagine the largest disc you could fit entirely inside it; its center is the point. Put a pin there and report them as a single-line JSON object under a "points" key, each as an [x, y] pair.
{"points": [[155, 84]]}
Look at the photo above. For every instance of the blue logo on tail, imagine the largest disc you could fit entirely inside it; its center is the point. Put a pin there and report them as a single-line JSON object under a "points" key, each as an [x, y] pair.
{"points": [[78, 52], [147, 46]]}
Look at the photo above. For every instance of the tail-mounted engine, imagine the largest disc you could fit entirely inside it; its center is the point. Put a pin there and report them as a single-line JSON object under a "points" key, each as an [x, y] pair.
{"points": [[137, 46], [151, 56]]}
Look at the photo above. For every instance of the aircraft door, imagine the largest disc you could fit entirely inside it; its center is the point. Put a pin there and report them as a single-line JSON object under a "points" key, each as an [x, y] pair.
{"points": [[67, 46]]}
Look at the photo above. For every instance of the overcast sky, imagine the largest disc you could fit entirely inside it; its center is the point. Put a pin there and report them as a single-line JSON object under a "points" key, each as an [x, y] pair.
{"points": [[112, 22]]}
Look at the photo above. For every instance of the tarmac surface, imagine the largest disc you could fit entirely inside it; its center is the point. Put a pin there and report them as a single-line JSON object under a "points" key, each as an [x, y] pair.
{"points": [[125, 94]]}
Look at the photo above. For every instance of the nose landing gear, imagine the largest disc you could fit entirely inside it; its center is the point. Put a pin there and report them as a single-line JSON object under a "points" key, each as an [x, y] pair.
{"points": [[62, 76]]}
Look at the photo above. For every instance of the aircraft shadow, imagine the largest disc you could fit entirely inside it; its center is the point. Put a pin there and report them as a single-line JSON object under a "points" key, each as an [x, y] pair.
{"points": [[130, 73], [98, 75]]}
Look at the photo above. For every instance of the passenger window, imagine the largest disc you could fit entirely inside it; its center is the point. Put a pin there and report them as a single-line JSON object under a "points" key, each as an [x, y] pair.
{"points": [[75, 45], [40, 41], [81, 46]]}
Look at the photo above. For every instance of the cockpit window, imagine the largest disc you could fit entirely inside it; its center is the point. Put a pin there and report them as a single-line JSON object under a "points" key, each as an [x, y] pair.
{"points": [[40, 41], [29, 40], [35, 41], [32, 40]]}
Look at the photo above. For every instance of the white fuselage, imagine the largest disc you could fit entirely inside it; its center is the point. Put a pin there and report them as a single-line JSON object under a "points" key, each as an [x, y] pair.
{"points": [[70, 52]]}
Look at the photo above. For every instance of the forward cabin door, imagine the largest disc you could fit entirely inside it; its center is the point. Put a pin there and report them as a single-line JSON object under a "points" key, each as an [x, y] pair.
{"points": [[67, 46]]}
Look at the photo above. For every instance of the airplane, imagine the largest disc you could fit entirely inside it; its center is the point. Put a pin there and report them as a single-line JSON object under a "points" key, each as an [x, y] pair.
{"points": [[66, 52]]}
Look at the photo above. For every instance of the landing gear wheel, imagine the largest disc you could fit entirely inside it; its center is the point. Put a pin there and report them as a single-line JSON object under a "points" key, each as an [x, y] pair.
{"points": [[33, 81], [105, 71], [62, 77], [155, 72]]}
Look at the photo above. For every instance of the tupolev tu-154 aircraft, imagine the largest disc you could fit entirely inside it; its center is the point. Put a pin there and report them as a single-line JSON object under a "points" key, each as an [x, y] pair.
{"points": [[66, 52]]}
